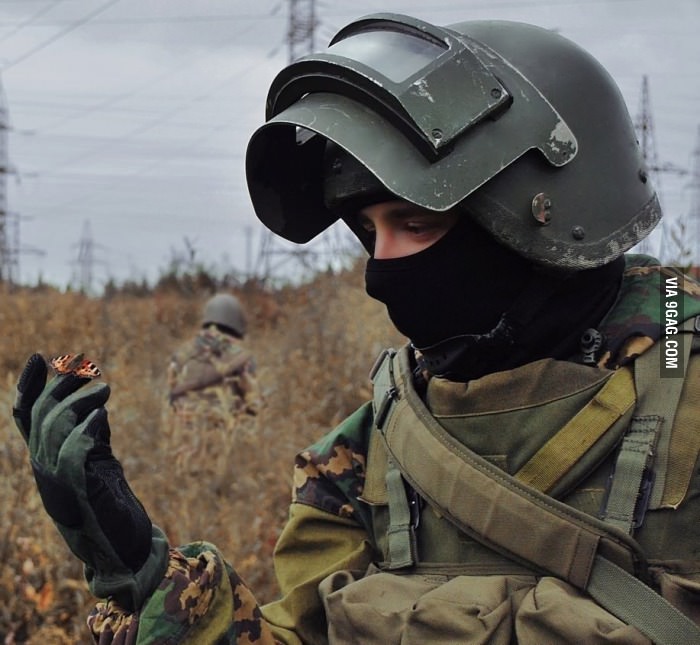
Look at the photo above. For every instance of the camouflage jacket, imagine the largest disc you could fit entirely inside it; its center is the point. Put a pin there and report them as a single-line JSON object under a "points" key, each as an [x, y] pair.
{"points": [[214, 371], [203, 600]]}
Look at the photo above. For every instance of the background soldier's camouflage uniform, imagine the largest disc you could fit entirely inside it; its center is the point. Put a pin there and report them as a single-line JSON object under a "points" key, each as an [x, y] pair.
{"points": [[214, 400]]}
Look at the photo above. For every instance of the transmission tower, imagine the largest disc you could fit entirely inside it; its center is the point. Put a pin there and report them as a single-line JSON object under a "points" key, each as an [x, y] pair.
{"points": [[301, 28], [330, 245], [644, 125], [10, 248], [85, 262], [8, 256]]}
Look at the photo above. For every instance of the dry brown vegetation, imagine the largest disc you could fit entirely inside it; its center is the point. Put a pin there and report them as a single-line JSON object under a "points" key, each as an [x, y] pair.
{"points": [[314, 345]]}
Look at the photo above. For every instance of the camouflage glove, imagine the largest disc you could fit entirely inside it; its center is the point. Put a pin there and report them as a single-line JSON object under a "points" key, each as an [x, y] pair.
{"points": [[82, 484]]}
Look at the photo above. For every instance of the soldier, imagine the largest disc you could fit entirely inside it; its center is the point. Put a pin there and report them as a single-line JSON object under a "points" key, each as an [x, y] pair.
{"points": [[214, 398], [527, 469], [214, 371]]}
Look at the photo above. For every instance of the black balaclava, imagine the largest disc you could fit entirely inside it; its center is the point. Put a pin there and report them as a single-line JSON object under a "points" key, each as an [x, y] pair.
{"points": [[471, 306]]}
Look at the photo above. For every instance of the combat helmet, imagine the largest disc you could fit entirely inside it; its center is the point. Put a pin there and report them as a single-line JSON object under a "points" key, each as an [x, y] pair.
{"points": [[225, 310], [514, 123]]}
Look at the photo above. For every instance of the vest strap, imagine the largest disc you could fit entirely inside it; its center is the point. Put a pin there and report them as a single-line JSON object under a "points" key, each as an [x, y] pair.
{"points": [[662, 397], [401, 532], [631, 481], [560, 539], [486, 503], [686, 441]]}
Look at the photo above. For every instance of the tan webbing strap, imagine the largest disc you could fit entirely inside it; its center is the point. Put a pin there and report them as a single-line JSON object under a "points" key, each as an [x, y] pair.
{"points": [[558, 455], [400, 534], [551, 535], [660, 396], [636, 604], [628, 496], [686, 441]]}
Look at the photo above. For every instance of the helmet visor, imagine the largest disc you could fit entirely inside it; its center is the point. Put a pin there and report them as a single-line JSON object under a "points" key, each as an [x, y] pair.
{"points": [[431, 113]]}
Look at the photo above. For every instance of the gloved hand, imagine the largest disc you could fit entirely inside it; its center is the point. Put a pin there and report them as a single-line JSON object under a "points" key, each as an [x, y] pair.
{"points": [[82, 484]]}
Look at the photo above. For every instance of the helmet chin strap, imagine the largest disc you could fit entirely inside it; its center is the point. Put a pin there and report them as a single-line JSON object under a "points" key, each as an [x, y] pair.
{"points": [[470, 356]]}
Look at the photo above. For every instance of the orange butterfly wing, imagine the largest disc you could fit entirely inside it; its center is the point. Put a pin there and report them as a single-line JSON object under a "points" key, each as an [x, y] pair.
{"points": [[75, 364]]}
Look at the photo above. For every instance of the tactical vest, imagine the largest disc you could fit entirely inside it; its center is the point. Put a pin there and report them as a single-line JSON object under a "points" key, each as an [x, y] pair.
{"points": [[613, 452]]}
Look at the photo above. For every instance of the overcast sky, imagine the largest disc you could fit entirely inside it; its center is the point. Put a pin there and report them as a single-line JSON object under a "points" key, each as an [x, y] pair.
{"points": [[129, 118]]}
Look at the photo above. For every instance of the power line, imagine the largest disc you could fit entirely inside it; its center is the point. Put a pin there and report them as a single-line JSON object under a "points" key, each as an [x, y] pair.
{"points": [[30, 20], [332, 11], [71, 27], [176, 68], [165, 116], [160, 20], [356, 9]]}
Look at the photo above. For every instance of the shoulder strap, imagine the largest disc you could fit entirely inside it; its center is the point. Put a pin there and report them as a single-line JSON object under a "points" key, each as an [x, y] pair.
{"points": [[485, 502]]}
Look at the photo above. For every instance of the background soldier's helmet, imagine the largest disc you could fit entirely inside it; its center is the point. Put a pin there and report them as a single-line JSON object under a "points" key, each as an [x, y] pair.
{"points": [[225, 310], [515, 123]]}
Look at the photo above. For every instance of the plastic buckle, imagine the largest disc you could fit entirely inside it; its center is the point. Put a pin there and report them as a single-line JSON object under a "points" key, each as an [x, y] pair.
{"points": [[643, 497], [386, 353], [414, 506], [383, 411]]}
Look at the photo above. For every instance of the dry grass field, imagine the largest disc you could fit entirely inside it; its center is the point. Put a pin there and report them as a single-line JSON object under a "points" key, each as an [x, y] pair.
{"points": [[314, 345]]}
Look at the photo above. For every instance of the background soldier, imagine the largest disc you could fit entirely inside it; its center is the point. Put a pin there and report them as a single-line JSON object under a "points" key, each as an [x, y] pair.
{"points": [[523, 473], [215, 370], [213, 394]]}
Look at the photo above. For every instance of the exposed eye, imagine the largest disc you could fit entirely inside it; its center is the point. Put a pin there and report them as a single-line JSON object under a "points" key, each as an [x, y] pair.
{"points": [[419, 227], [427, 225], [366, 223]]}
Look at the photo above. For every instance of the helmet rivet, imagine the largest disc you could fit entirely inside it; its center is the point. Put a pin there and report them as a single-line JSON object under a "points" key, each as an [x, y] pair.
{"points": [[541, 205], [337, 166], [496, 92], [437, 134], [578, 232], [643, 175]]}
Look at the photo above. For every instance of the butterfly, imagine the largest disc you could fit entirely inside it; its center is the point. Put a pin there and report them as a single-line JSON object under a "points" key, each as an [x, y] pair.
{"points": [[75, 364]]}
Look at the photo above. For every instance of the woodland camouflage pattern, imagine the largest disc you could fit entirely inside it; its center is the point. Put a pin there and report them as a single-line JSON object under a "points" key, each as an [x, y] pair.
{"points": [[212, 380], [336, 464], [635, 322], [330, 476], [214, 401], [196, 581]]}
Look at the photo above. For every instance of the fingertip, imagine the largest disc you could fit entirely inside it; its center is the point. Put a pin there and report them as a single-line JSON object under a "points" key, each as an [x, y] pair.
{"points": [[66, 384], [97, 425], [34, 372], [36, 358], [89, 400], [30, 385]]}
